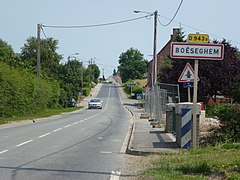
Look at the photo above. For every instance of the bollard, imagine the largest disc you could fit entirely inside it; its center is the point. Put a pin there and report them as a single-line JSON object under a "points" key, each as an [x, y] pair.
{"points": [[178, 110], [170, 115], [186, 122]]}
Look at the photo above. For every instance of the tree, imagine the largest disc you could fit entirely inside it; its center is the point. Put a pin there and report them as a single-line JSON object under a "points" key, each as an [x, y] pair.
{"points": [[93, 72], [70, 78], [132, 65], [49, 57], [6, 51]]}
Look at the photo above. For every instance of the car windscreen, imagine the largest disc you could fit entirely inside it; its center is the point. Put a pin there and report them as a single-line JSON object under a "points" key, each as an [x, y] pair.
{"points": [[95, 100]]}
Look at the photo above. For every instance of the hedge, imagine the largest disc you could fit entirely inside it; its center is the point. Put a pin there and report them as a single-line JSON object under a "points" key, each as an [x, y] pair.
{"points": [[21, 93]]}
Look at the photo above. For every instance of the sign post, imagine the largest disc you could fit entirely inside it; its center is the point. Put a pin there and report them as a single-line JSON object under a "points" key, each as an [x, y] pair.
{"points": [[196, 51], [195, 104]]}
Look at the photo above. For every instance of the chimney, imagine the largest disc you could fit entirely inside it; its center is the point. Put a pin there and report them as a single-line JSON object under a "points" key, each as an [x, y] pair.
{"points": [[175, 33]]}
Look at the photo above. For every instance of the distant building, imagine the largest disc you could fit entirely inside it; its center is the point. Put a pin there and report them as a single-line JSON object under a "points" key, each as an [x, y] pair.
{"points": [[164, 52]]}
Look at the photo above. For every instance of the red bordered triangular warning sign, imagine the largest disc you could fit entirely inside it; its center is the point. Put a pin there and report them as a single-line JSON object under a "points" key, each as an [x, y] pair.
{"points": [[187, 74]]}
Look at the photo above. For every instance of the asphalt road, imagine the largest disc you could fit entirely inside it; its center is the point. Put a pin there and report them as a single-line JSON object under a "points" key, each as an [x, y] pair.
{"points": [[85, 144]]}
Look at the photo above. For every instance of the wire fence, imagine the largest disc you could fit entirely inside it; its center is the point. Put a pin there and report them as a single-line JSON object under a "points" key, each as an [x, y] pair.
{"points": [[157, 97]]}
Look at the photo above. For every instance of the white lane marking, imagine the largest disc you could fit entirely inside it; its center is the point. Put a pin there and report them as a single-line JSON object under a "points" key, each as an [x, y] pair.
{"points": [[43, 135], [67, 126], [75, 123], [100, 138], [81, 121], [105, 152], [57, 129], [3, 151], [26, 142], [115, 175]]}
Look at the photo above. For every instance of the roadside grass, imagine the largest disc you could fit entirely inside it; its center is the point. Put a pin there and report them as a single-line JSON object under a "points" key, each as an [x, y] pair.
{"points": [[46, 113], [219, 162]]}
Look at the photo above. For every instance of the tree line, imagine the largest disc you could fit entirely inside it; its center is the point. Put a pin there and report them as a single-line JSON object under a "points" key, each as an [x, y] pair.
{"points": [[22, 93]]}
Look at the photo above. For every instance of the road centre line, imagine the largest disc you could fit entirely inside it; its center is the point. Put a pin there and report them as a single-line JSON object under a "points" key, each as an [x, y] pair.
{"points": [[3, 151], [26, 142], [67, 126], [105, 152], [75, 123], [57, 130], [43, 135]]}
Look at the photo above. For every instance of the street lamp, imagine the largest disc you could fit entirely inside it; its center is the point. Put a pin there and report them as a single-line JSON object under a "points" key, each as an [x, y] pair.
{"points": [[154, 63]]}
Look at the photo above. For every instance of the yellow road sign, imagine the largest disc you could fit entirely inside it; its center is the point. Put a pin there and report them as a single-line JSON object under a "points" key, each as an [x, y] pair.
{"points": [[198, 38]]}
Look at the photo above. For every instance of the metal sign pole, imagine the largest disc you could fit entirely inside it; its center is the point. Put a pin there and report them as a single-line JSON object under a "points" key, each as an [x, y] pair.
{"points": [[195, 104], [189, 94]]}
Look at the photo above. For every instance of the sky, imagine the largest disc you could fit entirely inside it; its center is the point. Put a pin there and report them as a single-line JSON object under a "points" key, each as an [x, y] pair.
{"points": [[19, 19]]}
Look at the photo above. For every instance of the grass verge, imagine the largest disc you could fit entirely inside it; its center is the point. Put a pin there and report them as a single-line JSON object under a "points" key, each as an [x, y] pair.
{"points": [[220, 162], [46, 113]]}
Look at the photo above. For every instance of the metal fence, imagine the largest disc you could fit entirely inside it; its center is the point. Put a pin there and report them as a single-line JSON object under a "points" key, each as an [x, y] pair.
{"points": [[157, 97]]}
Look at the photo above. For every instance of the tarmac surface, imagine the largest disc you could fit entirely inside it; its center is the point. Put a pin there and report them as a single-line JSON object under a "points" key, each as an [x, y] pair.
{"points": [[143, 138]]}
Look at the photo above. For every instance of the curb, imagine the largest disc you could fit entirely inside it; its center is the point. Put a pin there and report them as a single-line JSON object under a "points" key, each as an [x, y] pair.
{"points": [[139, 152], [130, 150]]}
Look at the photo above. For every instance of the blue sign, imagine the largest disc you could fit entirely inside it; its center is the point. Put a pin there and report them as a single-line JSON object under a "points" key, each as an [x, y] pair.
{"points": [[139, 96], [187, 84], [131, 85]]}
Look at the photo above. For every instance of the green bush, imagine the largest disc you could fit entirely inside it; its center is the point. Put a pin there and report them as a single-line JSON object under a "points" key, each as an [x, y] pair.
{"points": [[85, 84], [22, 94], [229, 128], [229, 116], [86, 91], [135, 89]]}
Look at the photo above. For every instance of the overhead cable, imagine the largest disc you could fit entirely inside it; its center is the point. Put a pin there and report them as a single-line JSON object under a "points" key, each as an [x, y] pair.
{"points": [[173, 15], [96, 25], [200, 30]]}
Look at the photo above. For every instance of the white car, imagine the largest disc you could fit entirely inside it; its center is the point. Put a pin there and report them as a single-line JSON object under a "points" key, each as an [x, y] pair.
{"points": [[95, 103]]}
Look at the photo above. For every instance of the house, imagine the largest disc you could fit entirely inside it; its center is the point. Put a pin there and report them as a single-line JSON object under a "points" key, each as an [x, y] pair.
{"points": [[164, 52]]}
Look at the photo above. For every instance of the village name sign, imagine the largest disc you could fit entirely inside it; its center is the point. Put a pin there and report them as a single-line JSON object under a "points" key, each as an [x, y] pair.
{"points": [[197, 51]]}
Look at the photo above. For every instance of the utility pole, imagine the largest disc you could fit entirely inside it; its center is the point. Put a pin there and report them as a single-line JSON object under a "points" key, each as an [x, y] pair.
{"points": [[82, 78], [90, 73], [103, 74], [154, 63], [38, 50]]}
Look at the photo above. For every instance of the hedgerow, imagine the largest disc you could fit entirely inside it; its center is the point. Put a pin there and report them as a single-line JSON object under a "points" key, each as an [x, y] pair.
{"points": [[21, 93]]}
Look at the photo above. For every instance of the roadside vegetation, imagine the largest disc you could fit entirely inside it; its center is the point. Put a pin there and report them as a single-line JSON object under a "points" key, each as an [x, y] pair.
{"points": [[219, 162], [132, 91], [23, 95]]}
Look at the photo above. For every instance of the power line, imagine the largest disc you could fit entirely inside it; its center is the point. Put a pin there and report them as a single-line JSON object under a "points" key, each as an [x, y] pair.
{"points": [[51, 48], [199, 30], [171, 20], [134, 19], [106, 65], [95, 25]]}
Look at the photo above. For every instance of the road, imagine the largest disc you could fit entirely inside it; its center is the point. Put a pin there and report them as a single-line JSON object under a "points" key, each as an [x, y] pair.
{"points": [[85, 144]]}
